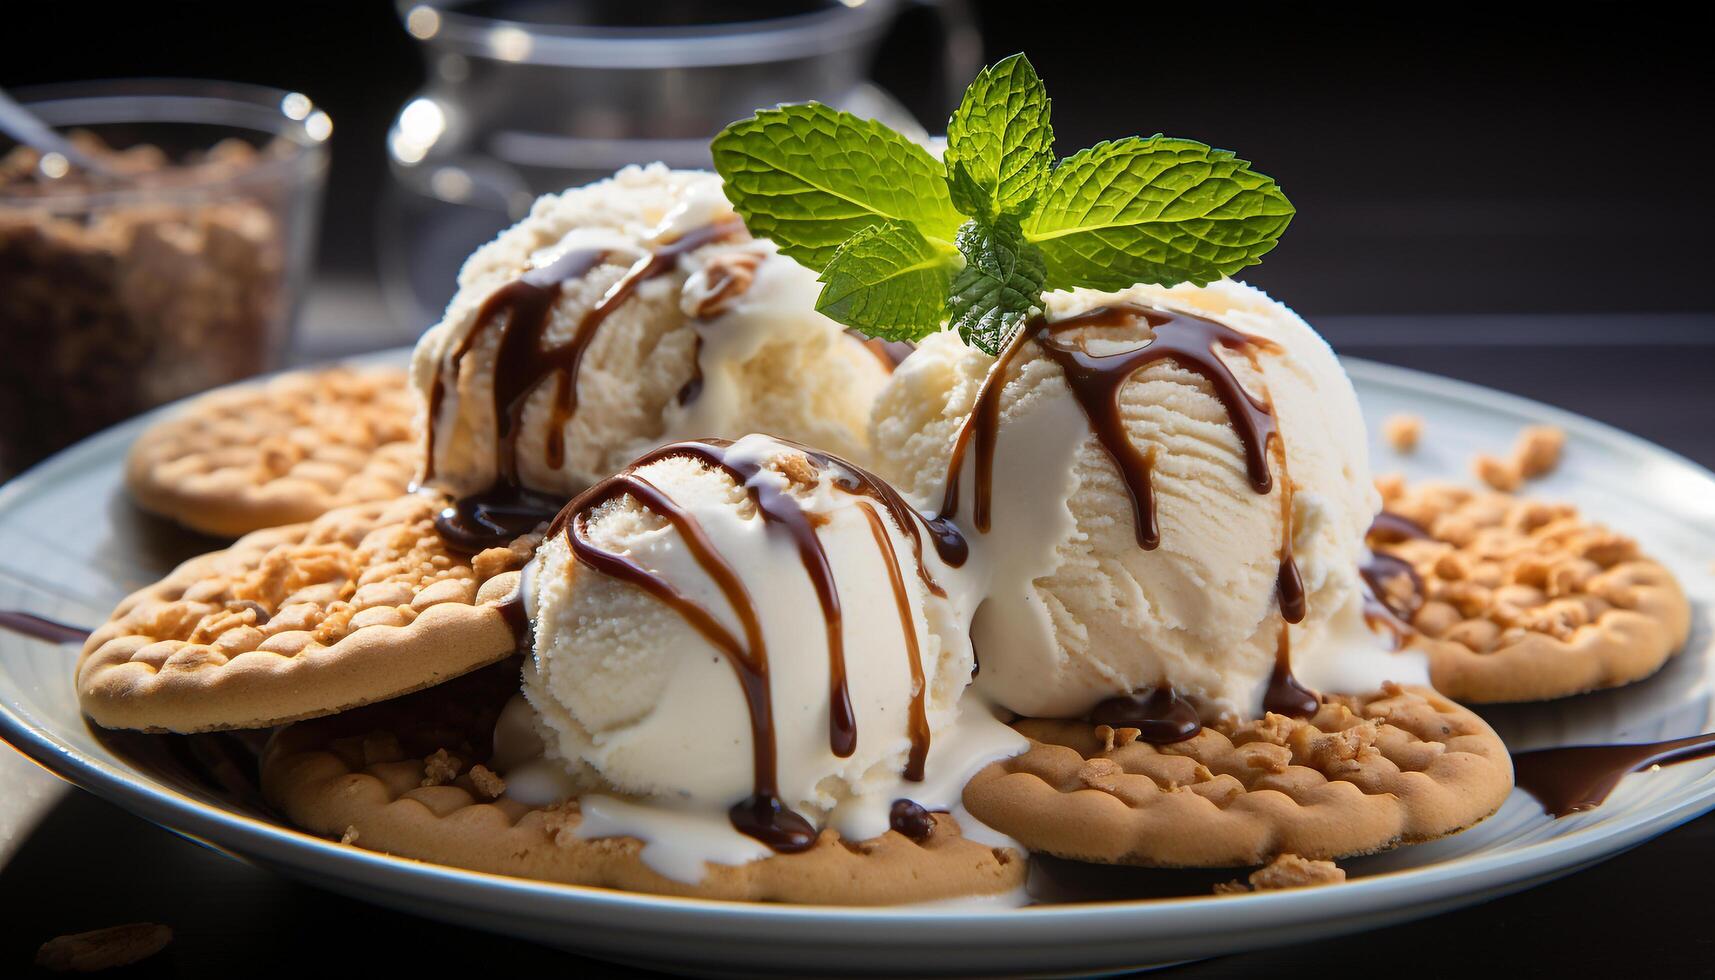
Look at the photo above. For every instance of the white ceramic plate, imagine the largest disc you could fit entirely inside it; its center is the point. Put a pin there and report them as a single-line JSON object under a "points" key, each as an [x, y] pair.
{"points": [[71, 545]]}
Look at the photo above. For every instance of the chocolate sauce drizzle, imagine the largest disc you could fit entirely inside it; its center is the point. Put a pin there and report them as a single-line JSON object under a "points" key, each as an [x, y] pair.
{"points": [[1391, 528], [918, 722], [763, 815], [40, 627], [1575, 778], [1096, 380], [908, 817], [1385, 608], [1159, 714], [522, 310], [891, 353]]}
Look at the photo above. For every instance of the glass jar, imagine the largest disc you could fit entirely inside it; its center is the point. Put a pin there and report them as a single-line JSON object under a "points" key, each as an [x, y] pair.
{"points": [[178, 273], [528, 97]]}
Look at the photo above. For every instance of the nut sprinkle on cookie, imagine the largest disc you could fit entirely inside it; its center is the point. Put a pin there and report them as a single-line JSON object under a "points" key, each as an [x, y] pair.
{"points": [[281, 451], [363, 603], [1523, 600]]}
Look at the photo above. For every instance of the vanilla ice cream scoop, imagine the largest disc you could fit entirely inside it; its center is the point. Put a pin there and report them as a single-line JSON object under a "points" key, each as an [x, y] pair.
{"points": [[741, 643], [1167, 490], [616, 317]]}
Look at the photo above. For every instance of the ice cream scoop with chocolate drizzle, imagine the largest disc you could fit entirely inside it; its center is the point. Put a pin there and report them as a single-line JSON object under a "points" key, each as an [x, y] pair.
{"points": [[740, 643], [616, 317], [1165, 491]]}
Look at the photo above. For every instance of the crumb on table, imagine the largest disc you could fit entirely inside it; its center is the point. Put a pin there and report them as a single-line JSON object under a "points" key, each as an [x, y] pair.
{"points": [[1403, 431], [1500, 474], [1537, 451], [103, 949], [1285, 871]]}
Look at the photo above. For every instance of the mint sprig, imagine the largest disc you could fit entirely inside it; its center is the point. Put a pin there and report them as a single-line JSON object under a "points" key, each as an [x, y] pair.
{"points": [[1000, 285], [1157, 210], [888, 281], [1000, 145], [905, 243], [810, 177]]}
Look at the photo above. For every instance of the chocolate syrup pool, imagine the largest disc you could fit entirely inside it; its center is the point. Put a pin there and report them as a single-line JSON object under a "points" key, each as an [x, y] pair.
{"points": [[1576, 778], [40, 627]]}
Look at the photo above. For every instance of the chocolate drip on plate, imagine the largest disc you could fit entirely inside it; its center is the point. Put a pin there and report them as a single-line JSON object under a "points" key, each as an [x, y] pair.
{"points": [[1576, 778], [1159, 714], [40, 627]]}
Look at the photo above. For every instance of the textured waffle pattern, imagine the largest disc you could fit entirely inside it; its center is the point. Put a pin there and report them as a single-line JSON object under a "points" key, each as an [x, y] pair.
{"points": [[280, 452], [1363, 774], [364, 602], [1525, 600]]}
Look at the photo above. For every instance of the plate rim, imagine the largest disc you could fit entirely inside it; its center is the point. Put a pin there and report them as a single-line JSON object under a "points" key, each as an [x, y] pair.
{"points": [[1464, 875]]}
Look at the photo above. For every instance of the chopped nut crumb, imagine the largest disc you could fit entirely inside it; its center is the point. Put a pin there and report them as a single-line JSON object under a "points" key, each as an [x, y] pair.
{"points": [[726, 277], [1292, 871], [1391, 486], [1286, 871], [1537, 452], [1503, 475], [797, 468], [440, 768], [1234, 887], [1100, 774], [104, 949], [350, 835], [487, 782], [1403, 431]]}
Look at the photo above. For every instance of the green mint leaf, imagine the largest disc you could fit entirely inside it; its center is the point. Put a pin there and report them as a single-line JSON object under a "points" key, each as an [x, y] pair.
{"points": [[999, 137], [810, 177], [1000, 286], [888, 281], [1156, 210]]}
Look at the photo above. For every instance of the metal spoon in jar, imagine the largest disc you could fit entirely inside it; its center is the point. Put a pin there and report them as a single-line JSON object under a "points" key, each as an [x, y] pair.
{"points": [[22, 125]]}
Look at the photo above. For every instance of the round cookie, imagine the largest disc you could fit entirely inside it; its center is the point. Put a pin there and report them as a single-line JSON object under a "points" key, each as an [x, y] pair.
{"points": [[281, 451], [405, 777], [363, 603], [1364, 774], [1522, 600]]}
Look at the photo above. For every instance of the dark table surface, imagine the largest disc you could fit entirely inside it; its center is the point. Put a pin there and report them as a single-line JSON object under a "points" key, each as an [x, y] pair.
{"points": [[88, 864]]}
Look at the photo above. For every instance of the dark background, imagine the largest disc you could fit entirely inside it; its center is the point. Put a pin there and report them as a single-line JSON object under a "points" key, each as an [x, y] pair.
{"points": [[1442, 160], [1541, 174]]}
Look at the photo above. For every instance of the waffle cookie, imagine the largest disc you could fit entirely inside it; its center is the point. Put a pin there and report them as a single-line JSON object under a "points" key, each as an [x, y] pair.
{"points": [[279, 452], [406, 777], [1364, 774], [1522, 600], [363, 603]]}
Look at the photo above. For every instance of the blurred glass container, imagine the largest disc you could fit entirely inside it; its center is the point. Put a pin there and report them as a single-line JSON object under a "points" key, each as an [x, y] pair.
{"points": [[119, 293], [528, 97]]}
